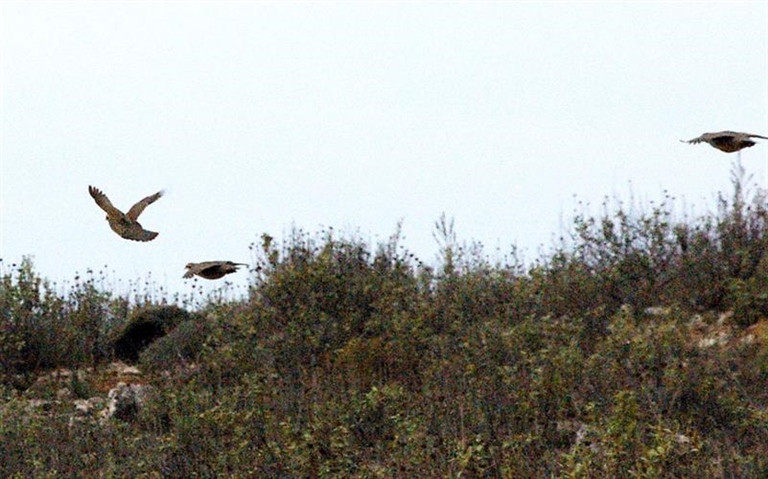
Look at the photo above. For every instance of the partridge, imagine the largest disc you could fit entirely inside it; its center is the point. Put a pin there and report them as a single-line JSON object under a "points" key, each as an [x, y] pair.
{"points": [[211, 269], [727, 141], [125, 224]]}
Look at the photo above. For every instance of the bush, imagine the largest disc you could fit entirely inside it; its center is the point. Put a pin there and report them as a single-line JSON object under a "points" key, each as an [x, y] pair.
{"points": [[143, 327], [41, 328], [183, 344]]}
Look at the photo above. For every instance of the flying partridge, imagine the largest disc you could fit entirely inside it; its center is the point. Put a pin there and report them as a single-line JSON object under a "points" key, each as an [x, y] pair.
{"points": [[125, 224], [211, 269], [727, 141]]}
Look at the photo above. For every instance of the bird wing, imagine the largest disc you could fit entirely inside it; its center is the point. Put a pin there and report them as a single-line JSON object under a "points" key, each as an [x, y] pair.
{"points": [[103, 202], [709, 137], [136, 209], [229, 265], [190, 272], [196, 268], [693, 141], [757, 136]]}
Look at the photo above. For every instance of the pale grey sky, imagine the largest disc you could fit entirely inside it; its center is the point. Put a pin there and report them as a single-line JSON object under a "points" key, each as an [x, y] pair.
{"points": [[256, 116]]}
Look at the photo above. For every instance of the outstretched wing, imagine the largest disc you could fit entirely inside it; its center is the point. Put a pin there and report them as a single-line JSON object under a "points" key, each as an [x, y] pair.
{"points": [[719, 137], [758, 136], [224, 265], [136, 209], [698, 139], [193, 269], [103, 202]]}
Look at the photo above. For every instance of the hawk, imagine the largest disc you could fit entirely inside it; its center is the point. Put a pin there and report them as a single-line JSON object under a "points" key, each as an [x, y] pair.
{"points": [[125, 224], [211, 269], [727, 141]]}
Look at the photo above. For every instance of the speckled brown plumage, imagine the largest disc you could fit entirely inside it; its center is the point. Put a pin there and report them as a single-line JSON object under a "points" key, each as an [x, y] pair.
{"points": [[211, 269], [727, 141], [125, 224]]}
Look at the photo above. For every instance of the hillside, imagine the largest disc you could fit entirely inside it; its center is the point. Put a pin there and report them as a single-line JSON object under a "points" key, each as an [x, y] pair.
{"points": [[637, 348]]}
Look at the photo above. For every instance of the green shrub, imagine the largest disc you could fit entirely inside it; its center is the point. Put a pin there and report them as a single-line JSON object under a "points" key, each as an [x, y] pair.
{"points": [[144, 326], [183, 344], [41, 328]]}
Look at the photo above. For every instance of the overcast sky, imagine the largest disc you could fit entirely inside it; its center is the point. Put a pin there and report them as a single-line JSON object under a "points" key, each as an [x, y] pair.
{"points": [[259, 116]]}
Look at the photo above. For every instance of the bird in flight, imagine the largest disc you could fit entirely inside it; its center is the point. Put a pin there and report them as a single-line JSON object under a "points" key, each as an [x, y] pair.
{"points": [[125, 224], [727, 141], [211, 269]]}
